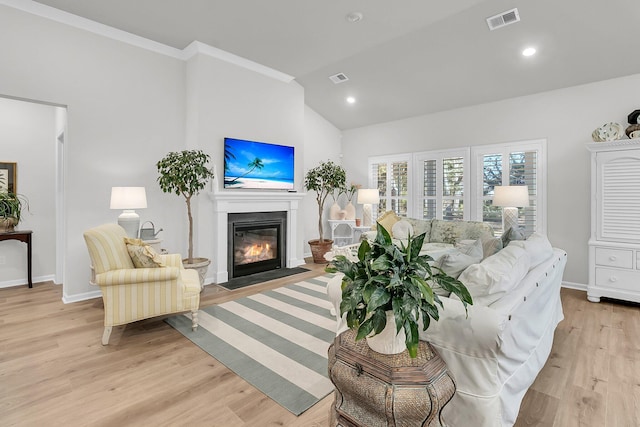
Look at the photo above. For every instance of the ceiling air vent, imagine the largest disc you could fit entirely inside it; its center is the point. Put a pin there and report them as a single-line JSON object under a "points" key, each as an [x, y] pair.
{"points": [[338, 78], [503, 19]]}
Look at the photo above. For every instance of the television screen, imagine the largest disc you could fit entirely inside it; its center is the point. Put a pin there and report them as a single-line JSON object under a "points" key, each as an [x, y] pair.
{"points": [[250, 164]]}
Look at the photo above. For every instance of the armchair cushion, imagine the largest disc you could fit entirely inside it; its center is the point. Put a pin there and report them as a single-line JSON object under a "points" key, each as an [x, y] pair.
{"points": [[127, 276], [142, 255]]}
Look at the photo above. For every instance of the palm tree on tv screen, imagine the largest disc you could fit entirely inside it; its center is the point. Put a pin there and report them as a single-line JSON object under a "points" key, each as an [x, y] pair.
{"points": [[254, 164]]}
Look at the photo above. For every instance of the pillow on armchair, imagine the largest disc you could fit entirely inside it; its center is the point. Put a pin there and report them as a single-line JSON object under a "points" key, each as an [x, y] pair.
{"points": [[142, 255]]}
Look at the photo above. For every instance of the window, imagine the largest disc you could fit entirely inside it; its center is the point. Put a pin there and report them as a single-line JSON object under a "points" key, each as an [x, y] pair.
{"points": [[441, 182], [510, 164], [458, 183], [390, 175]]}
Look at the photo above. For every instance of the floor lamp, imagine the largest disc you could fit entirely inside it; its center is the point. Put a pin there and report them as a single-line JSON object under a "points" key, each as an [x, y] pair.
{"points": [[368, 197], [510, 198], [128, 199]]}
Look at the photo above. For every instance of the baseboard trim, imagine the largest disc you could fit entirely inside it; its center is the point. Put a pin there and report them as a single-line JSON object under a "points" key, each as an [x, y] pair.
{"points": [[573, 285], [24, 281], [67, 299]]}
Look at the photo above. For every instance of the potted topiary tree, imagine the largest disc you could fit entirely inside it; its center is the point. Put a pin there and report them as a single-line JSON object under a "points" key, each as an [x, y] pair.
{"points": [[387, 292], [186, 173], [324, 179]]}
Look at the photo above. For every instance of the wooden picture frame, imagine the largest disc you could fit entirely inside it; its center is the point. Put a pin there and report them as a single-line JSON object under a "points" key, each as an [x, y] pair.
{"points": [[8, 177]]}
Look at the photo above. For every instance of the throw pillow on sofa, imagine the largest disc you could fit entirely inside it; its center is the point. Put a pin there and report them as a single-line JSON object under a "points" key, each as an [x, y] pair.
{"points": [[511, 234], [142, 255], [387, 220], [456, 262], [537, 246], [402, 230], [489, 280]]}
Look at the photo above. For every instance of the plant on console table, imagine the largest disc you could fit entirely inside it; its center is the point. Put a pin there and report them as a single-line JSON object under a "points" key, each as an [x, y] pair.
{"points": [[11, 206], [186, 173], [324, 179], [387, 292]]}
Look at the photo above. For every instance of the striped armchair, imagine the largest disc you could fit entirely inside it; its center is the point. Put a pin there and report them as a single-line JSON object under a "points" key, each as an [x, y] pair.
{"points": [[130, 294]]}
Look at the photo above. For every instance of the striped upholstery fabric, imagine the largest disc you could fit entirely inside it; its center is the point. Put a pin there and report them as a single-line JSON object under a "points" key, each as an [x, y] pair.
{"points": [[132, 294]]}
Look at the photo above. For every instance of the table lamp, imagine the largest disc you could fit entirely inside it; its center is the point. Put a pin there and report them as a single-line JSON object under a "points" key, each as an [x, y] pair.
{"points": [[368, 197], [510, 198], [128, 199]]}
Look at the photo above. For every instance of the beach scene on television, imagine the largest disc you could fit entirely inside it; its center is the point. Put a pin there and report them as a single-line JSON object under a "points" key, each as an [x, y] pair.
{"points": [[257, 165]]}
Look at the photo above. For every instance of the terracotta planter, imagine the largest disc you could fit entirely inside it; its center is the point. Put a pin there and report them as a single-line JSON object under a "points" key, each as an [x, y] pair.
{"points": [[200, 265], [318, 250]]}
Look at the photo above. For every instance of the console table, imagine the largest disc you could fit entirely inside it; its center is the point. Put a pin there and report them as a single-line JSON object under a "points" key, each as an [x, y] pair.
{"points": [[354, 231], [23, 236]]}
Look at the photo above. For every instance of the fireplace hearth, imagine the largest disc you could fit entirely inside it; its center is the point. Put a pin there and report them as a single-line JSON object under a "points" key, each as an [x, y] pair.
{"points": [[257, 242]]}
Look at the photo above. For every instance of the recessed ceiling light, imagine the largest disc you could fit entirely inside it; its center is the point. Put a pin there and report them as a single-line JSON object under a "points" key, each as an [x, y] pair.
{"points": [[354, 17], [529, 51], [351, 100]]}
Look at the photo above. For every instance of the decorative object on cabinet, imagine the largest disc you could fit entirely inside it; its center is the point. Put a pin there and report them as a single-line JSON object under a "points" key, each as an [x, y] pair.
{"points": [[186, 173], [324, 179], [128, 199], [510, 198], [614, 245], [633, 131], [8, 177], [368, 197], [608, 132], [350, 209], [634, 117]]}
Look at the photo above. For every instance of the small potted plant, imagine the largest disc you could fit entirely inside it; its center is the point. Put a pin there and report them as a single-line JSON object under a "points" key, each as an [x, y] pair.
{"points": [[11, 206], [186, 173], [324, 179], [388, 291]]}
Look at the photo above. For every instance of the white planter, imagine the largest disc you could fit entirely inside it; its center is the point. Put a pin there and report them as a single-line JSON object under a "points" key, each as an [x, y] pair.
{"points": [[351, 211], [387, 342], [334, 211]]}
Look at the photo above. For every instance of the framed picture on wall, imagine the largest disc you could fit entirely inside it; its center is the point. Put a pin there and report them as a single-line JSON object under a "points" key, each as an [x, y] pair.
{"points": [[8, 177]]}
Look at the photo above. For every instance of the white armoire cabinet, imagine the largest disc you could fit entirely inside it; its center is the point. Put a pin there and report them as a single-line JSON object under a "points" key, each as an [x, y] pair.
{"points": [[614, 245]]}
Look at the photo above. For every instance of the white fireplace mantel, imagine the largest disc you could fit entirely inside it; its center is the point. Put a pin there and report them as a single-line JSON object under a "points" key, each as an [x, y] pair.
{"points": [[229, 201]]}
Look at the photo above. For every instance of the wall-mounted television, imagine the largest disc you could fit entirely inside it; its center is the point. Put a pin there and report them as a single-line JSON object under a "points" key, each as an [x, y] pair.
{"points": [[257, 165]]}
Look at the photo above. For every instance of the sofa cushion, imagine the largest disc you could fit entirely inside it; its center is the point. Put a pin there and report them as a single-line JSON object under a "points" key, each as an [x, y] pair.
{"points": [[142, 255], [420, 226], [496, 275], [455, 231], [402, 230], [456, 261], [491, 246], [537, 246]]}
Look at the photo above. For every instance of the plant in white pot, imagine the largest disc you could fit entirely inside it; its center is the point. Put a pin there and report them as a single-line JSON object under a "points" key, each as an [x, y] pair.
{"points": [[186, 173], [388, 291], [324, 179]]}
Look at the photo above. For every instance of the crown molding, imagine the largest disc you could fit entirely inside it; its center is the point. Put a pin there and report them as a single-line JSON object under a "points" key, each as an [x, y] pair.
{"points": [[197, 47], [94, 27]]}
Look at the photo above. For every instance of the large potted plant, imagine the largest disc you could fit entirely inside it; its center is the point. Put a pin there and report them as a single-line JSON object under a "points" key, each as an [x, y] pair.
{"points": [[324, 179], [186, 173], [388, 291], [11, 206]]}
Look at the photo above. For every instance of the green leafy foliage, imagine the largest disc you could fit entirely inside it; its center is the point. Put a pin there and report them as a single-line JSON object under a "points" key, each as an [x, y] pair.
{"points": [[12, 205], [397, 278], [324, 179], [185, 173]]}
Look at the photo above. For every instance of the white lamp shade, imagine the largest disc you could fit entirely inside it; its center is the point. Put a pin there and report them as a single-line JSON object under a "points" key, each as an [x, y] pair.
{"points": [[128, 198], [368, 196], [511, 196]]}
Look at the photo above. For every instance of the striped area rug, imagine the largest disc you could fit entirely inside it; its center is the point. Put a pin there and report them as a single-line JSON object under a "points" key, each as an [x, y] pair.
{"points": [[276, 340]]}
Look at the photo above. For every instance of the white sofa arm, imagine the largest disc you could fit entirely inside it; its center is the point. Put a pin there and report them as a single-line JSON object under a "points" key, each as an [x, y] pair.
{"points": [[478, 335]]}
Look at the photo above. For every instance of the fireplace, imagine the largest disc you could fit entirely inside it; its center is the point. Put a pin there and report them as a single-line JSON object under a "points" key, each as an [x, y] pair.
{"points": [[257, 242]]}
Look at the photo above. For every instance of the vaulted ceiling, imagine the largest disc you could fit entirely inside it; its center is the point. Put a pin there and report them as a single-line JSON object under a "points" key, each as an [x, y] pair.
{"points": [[403, 58]]}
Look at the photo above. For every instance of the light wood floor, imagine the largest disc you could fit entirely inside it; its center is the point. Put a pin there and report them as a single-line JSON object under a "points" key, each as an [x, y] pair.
{"points": [[55, 372]]}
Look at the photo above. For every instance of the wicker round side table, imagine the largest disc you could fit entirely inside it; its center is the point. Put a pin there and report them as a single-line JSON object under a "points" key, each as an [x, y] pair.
{"points": [[374, 389]]}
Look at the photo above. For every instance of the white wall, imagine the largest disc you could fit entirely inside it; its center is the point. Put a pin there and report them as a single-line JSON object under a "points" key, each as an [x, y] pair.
{"points": [[125, 111], [322, 142], [27, 137], [564, 117]]}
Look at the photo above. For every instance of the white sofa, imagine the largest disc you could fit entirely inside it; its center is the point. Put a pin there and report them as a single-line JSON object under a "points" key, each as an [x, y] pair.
{"points": [[496, 352]]}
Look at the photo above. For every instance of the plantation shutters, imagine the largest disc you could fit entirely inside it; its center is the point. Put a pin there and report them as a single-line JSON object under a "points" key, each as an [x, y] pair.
{"points": [[390, 175], [441, 180]]}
